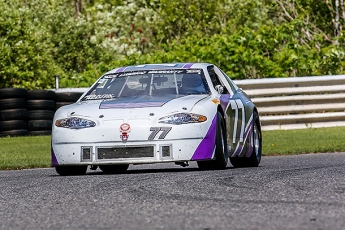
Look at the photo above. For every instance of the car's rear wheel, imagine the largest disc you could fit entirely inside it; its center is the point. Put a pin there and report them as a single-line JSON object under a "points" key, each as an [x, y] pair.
{"points": [[113, 169], [255, 158], [221, 145], [71, 170]]}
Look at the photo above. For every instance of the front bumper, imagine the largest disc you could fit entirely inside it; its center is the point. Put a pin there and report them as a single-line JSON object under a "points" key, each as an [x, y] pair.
{"points": [[134, 153]]}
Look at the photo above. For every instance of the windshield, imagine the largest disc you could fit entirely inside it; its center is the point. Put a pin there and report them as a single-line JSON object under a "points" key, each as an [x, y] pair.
{"points": [[149, 82]]}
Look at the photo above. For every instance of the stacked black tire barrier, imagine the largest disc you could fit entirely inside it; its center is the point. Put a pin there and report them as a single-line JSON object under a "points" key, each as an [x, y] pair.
{"points": [[13, 112], [31, 112], [41, 108], [66, 98]]}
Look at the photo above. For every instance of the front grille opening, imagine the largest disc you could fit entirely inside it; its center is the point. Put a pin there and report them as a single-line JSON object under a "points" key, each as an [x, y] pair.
{"points": [[125, 152], [166, 150], [86, 153]]}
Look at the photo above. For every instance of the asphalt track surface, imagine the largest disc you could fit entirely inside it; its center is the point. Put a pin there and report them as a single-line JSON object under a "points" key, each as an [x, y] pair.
{"points": [[285, 192]]}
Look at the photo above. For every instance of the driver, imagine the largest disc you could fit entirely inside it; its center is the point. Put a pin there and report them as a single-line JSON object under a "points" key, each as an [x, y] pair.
{"points": [[192, 83]]}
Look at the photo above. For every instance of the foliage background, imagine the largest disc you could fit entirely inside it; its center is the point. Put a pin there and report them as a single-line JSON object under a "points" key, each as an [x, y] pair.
{"points": [[81, 39]]}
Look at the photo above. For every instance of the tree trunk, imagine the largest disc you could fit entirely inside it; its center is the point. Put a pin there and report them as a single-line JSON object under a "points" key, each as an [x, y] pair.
{"points": [[78, 7]]}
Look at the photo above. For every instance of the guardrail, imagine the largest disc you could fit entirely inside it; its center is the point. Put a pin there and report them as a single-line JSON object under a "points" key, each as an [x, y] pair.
{"points": [[292, 103], [298, 102]]}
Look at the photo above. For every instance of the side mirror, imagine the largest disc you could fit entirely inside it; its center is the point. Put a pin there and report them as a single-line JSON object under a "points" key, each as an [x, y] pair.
{"points": [[219, 88]]}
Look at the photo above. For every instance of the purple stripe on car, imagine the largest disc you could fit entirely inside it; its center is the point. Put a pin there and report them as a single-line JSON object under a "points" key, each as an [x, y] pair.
{"points": [[121, 69], [54, 160], [206, 147], [224, 101], [188, 65]]}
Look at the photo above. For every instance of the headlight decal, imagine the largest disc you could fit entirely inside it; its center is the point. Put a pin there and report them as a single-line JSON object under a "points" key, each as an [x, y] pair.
{"points": [[207, 146], [182, 118], [74, 123]]}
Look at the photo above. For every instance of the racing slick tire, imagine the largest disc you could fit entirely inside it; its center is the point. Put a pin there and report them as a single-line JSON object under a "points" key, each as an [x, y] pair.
{"points": [[40, 115], [14, 133], [114, 169], [13, 93], [34, 125], [255, 158], [40, 133], [71, 170], [221, 153], [41, 104], [13, 114], [41, 94], [12, 103], [13, 125]]}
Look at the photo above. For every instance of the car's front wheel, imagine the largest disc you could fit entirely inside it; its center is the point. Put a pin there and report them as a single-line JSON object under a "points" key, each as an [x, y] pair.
{"points": [[71, 170], [113, 169]]}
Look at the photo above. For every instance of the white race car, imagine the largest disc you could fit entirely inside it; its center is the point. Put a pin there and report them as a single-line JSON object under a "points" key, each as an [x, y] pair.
{"points": [[174, 112]]}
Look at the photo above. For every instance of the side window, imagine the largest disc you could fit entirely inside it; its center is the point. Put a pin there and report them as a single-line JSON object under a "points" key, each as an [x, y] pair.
{"points": [[215, 78], [231, 83]]}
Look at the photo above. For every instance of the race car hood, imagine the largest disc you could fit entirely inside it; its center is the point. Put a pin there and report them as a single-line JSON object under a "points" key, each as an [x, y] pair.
{"points": [[137, 106]]}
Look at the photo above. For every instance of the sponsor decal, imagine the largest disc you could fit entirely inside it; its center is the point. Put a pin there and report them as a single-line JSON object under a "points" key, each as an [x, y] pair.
{"points": [[193, 71], [134, 73], [215, 101], [99, 97], [125, 128], [120, 73], [164, 71]]}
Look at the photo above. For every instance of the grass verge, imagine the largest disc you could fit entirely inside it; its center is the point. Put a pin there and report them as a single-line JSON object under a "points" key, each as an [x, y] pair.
{"points": [[280, 142], [34, 152], [25, 152]]}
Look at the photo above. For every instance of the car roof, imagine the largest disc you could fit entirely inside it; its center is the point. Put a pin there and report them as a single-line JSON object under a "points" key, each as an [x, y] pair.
{"points": [[188, 65]]}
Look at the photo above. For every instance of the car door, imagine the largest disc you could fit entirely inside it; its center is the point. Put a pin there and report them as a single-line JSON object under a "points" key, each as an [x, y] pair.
{"points": [[237, 109]]}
